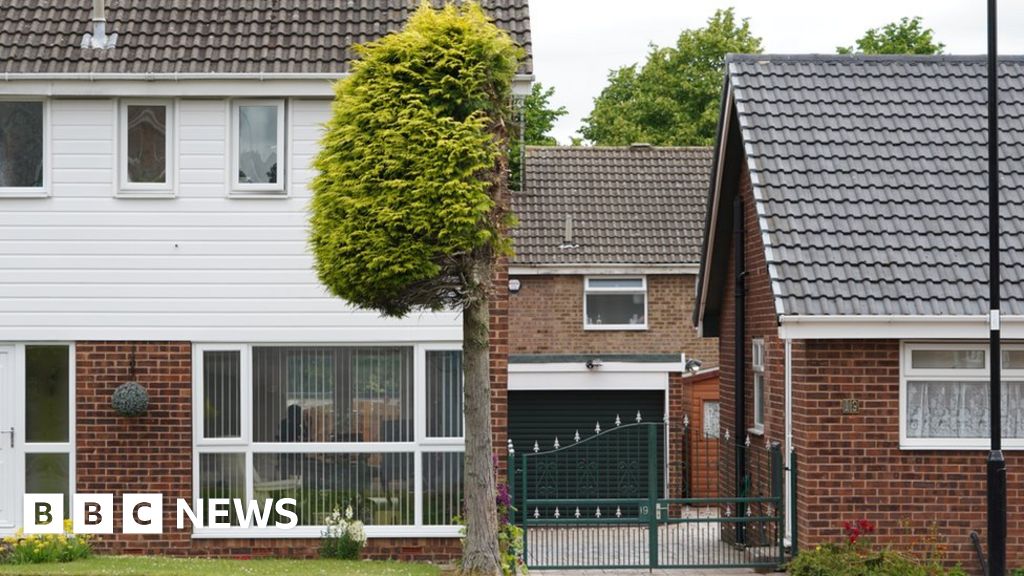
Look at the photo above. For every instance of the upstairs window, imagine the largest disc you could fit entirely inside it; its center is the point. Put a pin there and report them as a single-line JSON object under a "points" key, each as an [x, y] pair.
{"points": [[258, 135], [22, 148], [615, 303], [146, 146]]}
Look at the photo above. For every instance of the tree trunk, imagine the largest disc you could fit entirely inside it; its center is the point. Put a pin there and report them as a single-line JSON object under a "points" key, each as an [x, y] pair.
{"points": [[480, 548]]}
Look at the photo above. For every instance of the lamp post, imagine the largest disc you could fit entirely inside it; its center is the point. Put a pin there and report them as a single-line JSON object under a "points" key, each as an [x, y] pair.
{"points": [[996, 467]]}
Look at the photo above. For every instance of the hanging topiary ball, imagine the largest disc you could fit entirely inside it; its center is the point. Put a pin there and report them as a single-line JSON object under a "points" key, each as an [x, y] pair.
{"points": [[130, 399]]}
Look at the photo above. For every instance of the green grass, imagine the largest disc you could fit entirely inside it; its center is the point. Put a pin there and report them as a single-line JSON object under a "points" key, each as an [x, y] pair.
{"points": [[162, 566]]}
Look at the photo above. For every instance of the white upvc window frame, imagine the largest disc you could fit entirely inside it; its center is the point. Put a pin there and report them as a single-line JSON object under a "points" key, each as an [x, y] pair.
{"points": [[34, 191], [420, 445], [588, 290], [127, 188], [757, 365], [277, 189], [908, 373]]}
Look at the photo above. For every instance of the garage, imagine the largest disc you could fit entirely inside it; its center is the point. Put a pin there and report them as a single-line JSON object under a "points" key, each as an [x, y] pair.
{"points": [[542, 416]]}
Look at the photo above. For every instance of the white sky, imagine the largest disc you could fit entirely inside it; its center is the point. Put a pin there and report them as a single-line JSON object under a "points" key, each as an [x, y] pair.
{"points": [[576, 42]]}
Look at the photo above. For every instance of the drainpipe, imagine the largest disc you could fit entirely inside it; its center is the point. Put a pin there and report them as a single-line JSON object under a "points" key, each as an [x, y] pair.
{"points": [[740, 359], [788, 448]]}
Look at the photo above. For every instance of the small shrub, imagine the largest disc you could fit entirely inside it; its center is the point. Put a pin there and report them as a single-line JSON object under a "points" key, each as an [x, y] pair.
{"points": [[38, 548], [858, 556], [130, 399], [344, 536]]}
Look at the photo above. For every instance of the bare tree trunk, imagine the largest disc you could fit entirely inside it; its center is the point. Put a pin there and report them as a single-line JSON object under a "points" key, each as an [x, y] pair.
{"points": [[480, 548]]}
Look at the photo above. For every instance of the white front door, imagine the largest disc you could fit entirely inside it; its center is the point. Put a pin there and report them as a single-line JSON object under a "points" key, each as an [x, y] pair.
{"points": [[8, 455]]}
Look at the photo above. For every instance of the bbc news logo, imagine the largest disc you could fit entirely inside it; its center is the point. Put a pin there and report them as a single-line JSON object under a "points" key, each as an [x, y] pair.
{"points": [[144, 513]]}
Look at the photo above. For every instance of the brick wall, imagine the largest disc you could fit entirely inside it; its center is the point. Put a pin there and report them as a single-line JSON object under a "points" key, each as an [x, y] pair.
{"points": [[759, 322], [546, 317], [436, 550], [851, 465], [152, 453], [499, 364]]}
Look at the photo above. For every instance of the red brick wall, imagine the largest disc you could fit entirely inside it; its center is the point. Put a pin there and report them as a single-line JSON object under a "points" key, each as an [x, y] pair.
{"points": [[546, 317], [499, 364], [152, 453], [851, 465], [759, 322], [436, 550]]}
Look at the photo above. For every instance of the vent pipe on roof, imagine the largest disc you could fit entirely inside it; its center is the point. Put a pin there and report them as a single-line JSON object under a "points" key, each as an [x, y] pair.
{"points": [[567, 243], [98, 37]]}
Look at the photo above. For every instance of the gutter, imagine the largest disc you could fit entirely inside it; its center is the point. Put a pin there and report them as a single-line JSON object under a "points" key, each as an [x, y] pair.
{"points": [[185, 76]]}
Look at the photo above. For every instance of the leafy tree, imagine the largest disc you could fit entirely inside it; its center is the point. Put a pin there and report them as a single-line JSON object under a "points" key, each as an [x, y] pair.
{"points": [[673, 99], [908, 36], [410, 201], [538, 118]]}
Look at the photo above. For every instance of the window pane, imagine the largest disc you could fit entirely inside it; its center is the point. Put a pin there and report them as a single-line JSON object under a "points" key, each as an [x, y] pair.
{"points": [[444, 393], [1013, 359], [21, 144], [948, 359], [257, 144], [46, 393], [960, 409], [147, 144], [712, 411], [379, 487], [332, 394], [222, 383], [608, 283], [442, 487], [48, 474], [758, 398], [615, 309], [221, 476]]}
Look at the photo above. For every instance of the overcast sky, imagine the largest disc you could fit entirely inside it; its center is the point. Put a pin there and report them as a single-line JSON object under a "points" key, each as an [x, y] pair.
{"points": [[576, 42]]}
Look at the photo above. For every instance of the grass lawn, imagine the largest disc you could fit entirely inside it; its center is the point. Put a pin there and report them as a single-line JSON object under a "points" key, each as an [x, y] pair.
{"points": [[160, 566]]}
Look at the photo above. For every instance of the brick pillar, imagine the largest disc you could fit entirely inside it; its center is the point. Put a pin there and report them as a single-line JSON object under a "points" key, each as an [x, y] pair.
{"points": [[151, 453], [499, 364]]}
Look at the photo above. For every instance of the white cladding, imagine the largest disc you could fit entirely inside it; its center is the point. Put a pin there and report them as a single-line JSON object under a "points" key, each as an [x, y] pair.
{"points": [[203, 265]]}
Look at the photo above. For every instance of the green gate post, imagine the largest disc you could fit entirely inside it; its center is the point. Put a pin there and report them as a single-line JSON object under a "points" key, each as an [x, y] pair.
{"points": [[793, 548], [511, 471], [525, 512], [778, 480], [652, 495]]}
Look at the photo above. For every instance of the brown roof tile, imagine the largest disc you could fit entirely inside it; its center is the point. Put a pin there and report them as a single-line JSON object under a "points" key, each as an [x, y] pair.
{"points": [[629, 205], [216, 36]]}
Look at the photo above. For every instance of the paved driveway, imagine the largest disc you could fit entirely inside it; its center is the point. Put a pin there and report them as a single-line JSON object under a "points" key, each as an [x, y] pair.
{"points": [[674, 572]]}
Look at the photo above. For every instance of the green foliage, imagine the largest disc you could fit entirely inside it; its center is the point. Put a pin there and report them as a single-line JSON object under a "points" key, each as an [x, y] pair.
{"points": [[907, 36], [843, 560], [673, 100], [343, 537], [538, 119], [45, 548], [409, 161]]}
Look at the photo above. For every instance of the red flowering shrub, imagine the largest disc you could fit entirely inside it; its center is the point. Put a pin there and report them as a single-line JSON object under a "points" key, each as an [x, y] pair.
{"points": [[854, 530]]}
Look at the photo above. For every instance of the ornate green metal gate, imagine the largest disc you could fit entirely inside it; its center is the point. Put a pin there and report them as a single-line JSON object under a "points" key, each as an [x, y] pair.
{"points": [[600, 502]]}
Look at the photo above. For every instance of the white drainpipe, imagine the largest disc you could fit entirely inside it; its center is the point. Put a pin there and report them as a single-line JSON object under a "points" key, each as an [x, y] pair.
{"points": [[788, 448]]}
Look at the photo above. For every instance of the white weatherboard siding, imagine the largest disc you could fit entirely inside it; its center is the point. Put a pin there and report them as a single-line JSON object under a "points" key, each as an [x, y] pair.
{"points": [[85, 264]]}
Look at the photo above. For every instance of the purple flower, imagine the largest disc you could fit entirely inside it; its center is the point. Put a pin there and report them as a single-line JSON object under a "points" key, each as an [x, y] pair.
{"points": [[503, 499]]}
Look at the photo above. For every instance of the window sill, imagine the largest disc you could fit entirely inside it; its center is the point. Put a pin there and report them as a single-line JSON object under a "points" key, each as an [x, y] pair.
{"points": [[974, 447], [317, 532], [756, 430], [24, 193], [146, 195], [611, 327], [258, 194]]}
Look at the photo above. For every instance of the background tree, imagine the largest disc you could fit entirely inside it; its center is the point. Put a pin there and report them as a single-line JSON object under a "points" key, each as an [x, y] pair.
{"points": [[410, 203], [908, 36], [538, 119], [673, 99]]}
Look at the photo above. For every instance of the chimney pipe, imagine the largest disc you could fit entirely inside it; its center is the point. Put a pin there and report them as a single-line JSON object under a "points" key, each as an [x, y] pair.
{"points": [[98, 38]]}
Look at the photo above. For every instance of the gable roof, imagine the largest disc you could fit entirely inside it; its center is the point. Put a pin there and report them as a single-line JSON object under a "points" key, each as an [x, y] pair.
{"points": [[870, 180], [634, 205], [212, 36]]}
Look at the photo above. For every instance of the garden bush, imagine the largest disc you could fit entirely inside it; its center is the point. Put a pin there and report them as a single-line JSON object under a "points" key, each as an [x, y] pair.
{"points": [[858, 556], [39, 548], [344, 536]]}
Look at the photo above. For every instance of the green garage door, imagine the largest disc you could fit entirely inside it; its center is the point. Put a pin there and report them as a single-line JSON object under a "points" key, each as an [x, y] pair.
{"points": [[540, 417]]}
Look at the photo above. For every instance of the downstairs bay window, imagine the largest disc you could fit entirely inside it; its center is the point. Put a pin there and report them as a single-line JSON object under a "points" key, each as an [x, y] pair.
{"points": [[378, 428], [944, 395]]}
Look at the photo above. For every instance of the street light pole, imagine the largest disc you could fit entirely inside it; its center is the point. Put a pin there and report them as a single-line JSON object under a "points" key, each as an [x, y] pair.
{"points": [[996, 462]]}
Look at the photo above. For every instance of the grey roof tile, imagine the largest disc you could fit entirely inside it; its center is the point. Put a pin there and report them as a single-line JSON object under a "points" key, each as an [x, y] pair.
{"points": [[216, 36], [629, 205], [872, 180]]}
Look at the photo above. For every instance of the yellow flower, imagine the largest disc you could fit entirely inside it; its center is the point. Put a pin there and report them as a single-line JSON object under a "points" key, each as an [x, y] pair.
{"points": [[68, 524]]}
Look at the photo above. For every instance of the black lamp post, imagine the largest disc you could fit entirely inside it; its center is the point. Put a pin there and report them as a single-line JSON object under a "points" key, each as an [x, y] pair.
{"points": [[996, 462]]}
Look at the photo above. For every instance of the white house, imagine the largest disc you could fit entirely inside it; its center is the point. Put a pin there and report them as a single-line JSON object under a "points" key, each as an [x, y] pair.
{"points": [[154, 163]]}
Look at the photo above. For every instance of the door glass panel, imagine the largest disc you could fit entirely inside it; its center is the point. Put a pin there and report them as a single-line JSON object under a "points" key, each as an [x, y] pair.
{"points": [[948, 359], [47, 474], [711, 418], [222, 385], [444, 394], [46, 393]]}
